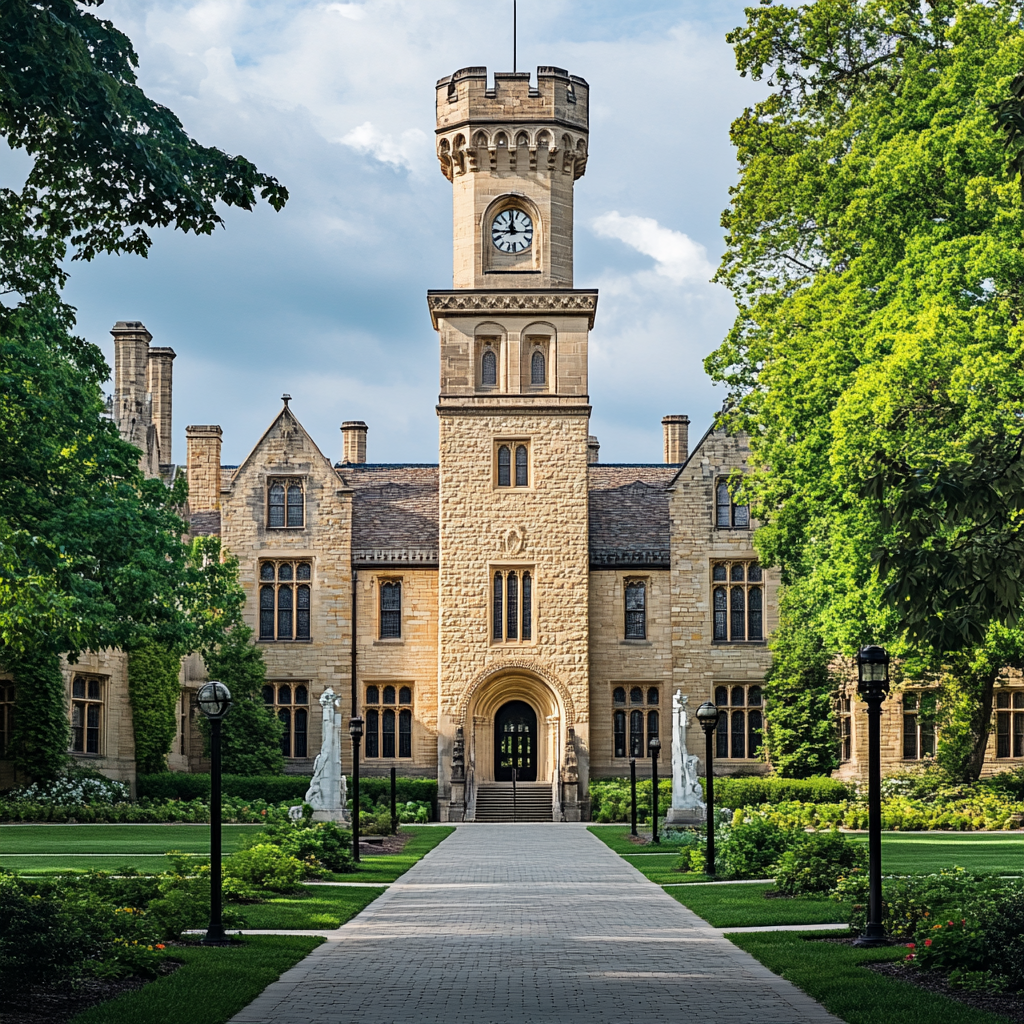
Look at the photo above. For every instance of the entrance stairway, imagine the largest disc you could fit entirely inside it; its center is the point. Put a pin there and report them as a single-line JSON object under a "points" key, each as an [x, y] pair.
{"points": [[494, 801]]}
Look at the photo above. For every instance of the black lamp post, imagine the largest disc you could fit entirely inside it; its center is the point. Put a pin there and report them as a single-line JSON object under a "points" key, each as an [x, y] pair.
{"points": [[873, 686], [707, 715], [214, 700], [355, 730], [632, 796], [654, 746]]}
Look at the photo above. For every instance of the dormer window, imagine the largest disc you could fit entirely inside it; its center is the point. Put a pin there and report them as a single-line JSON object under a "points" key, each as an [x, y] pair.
{"points": [[286, 506]]}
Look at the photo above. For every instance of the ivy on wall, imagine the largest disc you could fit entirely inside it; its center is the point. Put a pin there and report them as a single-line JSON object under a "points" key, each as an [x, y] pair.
{"points": [[40, 731], [153, 690]]}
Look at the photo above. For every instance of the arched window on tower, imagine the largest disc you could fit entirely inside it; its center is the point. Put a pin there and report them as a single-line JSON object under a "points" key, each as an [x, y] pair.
{"points": [[489, 369], [537, 368]]}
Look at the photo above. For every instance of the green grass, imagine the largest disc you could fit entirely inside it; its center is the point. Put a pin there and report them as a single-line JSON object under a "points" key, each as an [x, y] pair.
{"points": [[321, 906], [743, 904], [386, 867], [80, 839], [922, 852], [833, 975], [212, 986]]}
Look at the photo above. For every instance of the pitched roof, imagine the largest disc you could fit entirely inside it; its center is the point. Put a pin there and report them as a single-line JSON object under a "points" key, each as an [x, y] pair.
{"points": [[394, 513], [629, 516]]}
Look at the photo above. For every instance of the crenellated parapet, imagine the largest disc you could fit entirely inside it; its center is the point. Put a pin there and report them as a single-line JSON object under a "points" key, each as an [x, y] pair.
{"points": [[512, 127]]}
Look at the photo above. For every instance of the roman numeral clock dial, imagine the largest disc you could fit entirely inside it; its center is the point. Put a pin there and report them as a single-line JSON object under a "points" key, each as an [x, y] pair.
{"points": [[512, 231]]}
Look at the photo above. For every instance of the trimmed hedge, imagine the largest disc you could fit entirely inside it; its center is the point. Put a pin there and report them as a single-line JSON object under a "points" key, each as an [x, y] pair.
{"points": [[280, 788], [746, 791], [195, 786]]}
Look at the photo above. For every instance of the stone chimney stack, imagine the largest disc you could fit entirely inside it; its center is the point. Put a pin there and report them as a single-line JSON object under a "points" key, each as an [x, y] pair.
{"points": [[158, 384], [593, 447], [354, 434], [203, 467], [131, 383], [677, 439]]}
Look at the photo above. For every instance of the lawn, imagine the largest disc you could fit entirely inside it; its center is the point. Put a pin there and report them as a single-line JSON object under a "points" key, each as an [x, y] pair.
{"points": [[386, 867], [212, 986], [918, 852], [833, 975], [51, 849], [317, 906], [743, 904]]}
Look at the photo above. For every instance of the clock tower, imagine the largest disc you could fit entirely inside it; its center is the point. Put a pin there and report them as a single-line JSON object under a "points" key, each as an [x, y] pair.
{"points": [[514, 413]]}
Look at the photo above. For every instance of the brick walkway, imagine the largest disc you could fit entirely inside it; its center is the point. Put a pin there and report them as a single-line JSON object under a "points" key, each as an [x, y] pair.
{"points": [[540, 924]]}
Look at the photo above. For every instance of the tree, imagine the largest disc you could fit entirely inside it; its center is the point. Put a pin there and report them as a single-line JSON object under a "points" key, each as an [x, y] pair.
{"points": [[154, 691], [250, 735], [874, 251], [90, 551]]}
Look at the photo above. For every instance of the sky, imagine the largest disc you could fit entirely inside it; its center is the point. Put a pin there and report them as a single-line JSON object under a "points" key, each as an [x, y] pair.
{"points": [[326, 299]]}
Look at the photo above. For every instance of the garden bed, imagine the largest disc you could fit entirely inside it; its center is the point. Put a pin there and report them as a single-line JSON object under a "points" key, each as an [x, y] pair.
{"points": [[1010, 1006], [60, 1003]]}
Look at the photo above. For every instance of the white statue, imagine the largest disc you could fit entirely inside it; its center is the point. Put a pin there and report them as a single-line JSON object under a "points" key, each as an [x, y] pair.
{"points": [[328, 792], [688, 806]]}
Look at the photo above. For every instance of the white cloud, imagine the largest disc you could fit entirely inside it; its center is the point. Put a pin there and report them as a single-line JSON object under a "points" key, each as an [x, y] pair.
{"points": [[353, 11], [406, 151], [676, 255]]}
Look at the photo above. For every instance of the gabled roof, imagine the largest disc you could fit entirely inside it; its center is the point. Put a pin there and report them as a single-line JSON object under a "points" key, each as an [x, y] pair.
{"points": [[629, 515], [284, 414]]}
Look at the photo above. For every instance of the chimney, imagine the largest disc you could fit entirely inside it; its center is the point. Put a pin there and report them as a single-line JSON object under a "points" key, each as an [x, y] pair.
{"points": [[354, 434], [677, 439], [131, 370], [159, 386], [203, 467], [593, 447]]}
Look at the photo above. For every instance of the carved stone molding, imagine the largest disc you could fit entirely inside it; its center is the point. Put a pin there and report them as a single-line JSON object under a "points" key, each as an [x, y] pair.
{"points": [[529, 668], [513, 541], [528, 302]]}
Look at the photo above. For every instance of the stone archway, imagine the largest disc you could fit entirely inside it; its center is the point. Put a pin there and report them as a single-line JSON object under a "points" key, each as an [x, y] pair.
{"points": [[504, 686]]}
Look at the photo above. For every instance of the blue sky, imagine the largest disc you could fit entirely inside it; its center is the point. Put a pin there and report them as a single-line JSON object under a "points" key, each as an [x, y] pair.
{"points": [[325, 300]]}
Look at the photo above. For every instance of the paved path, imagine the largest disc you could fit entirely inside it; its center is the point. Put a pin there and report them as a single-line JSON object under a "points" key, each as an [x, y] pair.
{"points": [[539, 924]]}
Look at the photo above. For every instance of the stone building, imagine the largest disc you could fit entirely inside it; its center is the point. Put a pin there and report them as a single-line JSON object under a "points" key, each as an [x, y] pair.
{"points": [[518, 610]]}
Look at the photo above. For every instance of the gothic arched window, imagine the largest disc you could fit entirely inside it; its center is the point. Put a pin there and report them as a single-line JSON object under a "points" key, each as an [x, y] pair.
{"points": [[296, 505], [636, 610], [504, 466], [522, 466], [275, 505], [391, 610], [537, 369], [489, 369]]}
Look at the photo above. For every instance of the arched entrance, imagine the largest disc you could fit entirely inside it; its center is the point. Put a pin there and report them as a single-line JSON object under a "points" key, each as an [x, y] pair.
{"points": [[515, 746]]}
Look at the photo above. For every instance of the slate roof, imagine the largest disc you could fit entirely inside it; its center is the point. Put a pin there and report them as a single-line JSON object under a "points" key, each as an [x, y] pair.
{"points": [[629, 518], [395, 514]]}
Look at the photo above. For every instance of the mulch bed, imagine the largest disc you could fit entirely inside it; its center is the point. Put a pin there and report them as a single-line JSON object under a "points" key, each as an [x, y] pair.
{"points": [[57, 1005], [391, 844], [1010, 1006]]}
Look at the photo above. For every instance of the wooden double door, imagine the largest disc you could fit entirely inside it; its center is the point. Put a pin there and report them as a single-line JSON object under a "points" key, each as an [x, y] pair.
{"points": [[515, 742]]}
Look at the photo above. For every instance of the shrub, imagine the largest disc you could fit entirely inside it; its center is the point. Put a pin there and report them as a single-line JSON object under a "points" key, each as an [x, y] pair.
{"points": [[815, 863], [374, 790], [267, 867], [766, 789], [753, 847], [79, 785], [323, 842], [42, 941], [196, 786], [610, 799]]}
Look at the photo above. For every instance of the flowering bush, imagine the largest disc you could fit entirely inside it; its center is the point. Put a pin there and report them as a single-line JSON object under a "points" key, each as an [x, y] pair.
{"points": [[234, 810], [79, 786]]}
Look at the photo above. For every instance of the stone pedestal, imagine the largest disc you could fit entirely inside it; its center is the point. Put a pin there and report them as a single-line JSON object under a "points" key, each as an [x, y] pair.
{"points": [[457, 804], [338, 815], [685, 816], [570, 801]]}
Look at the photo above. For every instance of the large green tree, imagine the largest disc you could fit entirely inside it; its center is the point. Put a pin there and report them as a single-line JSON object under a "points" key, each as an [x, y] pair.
{"points": [[90, 551], [874, 251]]}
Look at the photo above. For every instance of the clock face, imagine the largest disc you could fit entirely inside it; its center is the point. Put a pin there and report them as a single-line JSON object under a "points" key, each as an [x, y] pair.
{"points": [[512, 231]]}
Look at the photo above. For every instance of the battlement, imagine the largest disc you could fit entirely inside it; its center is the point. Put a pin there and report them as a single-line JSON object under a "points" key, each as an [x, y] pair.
{"points": [[558, 99]]}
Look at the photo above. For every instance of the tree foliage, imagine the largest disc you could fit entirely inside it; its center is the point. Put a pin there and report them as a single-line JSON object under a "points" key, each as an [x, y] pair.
{"points": [[90, 551], [250, 735], [154, 691], [108, 162], [874, 251]]}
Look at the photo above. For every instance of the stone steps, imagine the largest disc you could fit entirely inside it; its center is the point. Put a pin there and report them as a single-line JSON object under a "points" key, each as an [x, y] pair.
{"points": [[532, 803]]}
